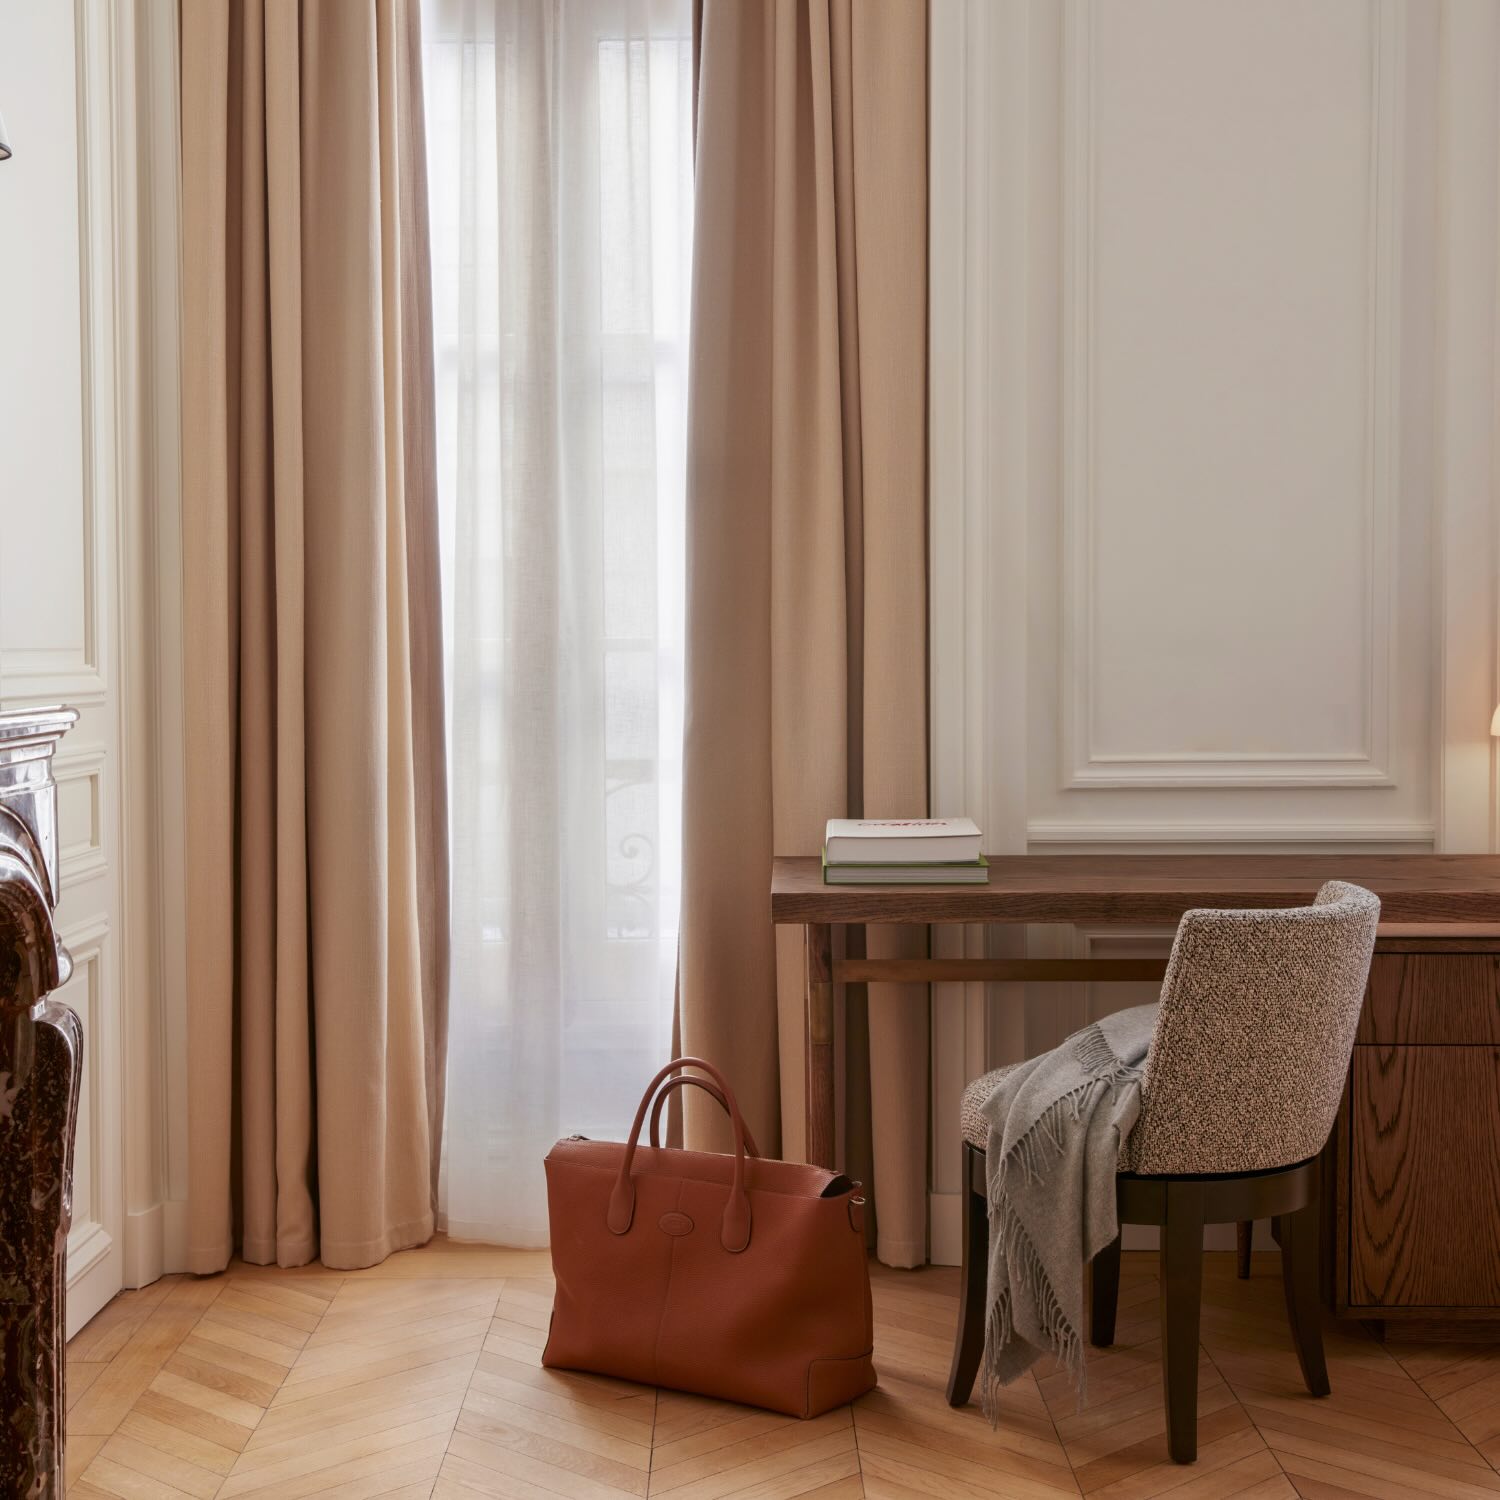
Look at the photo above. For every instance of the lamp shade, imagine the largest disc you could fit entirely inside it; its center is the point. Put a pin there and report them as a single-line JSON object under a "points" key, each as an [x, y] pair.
{"points": [[4, 140]]}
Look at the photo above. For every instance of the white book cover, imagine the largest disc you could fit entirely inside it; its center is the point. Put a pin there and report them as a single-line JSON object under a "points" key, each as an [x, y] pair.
{"points": [[913, 841]]}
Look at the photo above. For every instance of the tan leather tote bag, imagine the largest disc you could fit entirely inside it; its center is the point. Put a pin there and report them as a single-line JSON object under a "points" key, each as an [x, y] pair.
{"points": [[731, 1276]]}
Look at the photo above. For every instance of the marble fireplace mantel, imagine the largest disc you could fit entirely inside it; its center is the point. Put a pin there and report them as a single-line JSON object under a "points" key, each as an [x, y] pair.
{"points": [[41, 1055]]}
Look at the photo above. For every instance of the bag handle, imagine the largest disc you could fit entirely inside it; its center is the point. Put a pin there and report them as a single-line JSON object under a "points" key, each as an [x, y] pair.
{"points": [[708, 1087], [734, 1233]]}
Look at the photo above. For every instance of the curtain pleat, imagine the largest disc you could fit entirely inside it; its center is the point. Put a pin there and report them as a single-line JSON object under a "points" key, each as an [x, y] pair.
{"points": [[423, 576], [807, 630], [316, 904]]}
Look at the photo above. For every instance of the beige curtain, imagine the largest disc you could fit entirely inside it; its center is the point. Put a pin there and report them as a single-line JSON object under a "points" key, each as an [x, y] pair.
{"points": [[807, 631], [317, 887]]}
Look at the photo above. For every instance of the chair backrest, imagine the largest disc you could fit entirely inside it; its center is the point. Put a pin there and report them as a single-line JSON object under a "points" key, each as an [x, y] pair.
{"points": [[1252, 1040]]}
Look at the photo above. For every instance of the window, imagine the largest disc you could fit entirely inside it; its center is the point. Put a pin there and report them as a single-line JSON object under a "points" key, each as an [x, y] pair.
{"points": [[560, 161]]}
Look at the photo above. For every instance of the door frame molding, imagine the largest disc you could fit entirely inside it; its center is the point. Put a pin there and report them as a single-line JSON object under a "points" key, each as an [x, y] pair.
{"points": [[142, 62]]}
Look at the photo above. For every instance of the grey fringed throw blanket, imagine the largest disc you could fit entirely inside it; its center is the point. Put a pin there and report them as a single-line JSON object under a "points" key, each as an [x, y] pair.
{"points": [[1055, 1127]]}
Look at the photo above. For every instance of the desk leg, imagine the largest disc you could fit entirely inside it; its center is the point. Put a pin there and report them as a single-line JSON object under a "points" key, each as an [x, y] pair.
{"points": [[820, 1137]]}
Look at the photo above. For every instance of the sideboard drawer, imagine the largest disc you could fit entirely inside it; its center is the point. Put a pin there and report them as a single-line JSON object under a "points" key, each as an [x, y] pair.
{"points": [[1426, 999]]}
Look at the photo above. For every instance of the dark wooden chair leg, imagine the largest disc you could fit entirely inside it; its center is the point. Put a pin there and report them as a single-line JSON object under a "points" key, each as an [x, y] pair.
{"points": [[968, 1344], [1299, 1279], [1181, 1297], [1104, 1294], [1244, 1235]]}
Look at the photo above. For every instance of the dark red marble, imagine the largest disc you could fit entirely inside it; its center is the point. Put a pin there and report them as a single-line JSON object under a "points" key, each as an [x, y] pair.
{"points": [[38, 1121], [41, 1066]]}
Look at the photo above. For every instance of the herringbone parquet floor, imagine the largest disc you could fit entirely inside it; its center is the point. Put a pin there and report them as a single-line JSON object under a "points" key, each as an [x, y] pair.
{"points": [[419, 1380]]}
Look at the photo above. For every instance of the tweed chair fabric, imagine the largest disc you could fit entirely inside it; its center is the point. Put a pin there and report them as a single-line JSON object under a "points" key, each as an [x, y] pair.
{"points": [[1252, 1040], [975, 1131], [1253, 1035]]}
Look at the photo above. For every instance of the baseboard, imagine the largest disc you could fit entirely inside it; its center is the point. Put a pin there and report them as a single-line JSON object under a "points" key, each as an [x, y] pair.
{"points": [[174, 1236], [93, 1274], [155, 1243], [87, 1246], [144, 1257], [945, 1228]]}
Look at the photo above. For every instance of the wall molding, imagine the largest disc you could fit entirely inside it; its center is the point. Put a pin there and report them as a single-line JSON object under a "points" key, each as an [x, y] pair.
{"points": [[88, 943], [149, 625], [1084, 764], [1324, 832], [98, 940], [1466, 452], [86, 857], [978, 391]]}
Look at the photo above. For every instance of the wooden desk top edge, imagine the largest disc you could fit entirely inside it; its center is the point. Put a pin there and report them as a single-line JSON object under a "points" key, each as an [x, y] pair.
{"points": [[1428, 889]]}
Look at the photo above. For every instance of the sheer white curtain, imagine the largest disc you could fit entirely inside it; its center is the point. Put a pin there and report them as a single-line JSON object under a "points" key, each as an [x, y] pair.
{"points": [[560, 154]]}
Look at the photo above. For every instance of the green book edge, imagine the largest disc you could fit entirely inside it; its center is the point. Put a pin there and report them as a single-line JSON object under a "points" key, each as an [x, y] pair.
{"points": [[906, 864]]}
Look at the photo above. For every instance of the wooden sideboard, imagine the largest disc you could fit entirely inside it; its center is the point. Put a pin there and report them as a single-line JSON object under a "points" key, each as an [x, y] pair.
{"points": [[1412, 1172], [1413, 1169]]}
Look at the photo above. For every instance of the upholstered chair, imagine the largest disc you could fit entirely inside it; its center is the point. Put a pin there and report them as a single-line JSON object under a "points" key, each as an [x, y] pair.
{"points": [[1238, 1096]]}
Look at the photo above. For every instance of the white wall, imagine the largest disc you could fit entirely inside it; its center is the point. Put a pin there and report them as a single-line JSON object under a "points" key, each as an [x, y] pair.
{"points": [[88, 355], [57, 517], [1214, 420]]}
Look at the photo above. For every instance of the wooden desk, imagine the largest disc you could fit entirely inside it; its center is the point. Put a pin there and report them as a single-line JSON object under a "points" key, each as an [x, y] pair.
{"points": [[1450, 892]]}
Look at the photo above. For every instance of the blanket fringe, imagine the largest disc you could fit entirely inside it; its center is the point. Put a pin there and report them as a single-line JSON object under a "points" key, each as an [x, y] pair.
{"points": [[1030, 1154], [1044, 1139], [1092, 1049], [1063, 1339]]}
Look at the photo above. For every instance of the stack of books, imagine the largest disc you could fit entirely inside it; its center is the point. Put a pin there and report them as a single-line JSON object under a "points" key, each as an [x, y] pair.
{"points": [[903, 851]]}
